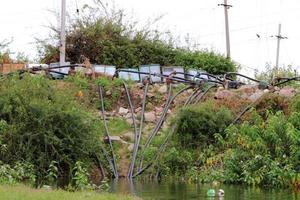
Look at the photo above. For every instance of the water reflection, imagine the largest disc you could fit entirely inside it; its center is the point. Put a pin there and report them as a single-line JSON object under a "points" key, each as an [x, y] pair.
{"points": [[181, 190]]}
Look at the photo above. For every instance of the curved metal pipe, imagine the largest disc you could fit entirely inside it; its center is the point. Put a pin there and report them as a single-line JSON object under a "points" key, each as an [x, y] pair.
{"points": [[100, 90], [204, 93], [134, 123], [238, 74], [192, 96], [159, 124], [138, 138], [163, 145], [286, 80]]}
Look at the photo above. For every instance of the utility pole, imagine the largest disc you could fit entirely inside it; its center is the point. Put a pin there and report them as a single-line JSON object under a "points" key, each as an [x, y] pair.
{"points": [[226, 7], [279, 38], [62, 47]]}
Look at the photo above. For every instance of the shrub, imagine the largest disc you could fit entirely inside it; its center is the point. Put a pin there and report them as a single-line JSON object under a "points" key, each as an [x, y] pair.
{"points": [[110, 39], [198, 124], [40, 124], [265, 153]]}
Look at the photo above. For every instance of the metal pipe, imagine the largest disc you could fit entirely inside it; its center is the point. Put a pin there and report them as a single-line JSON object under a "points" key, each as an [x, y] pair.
{"points": [[192, 96], [204, 93], [162, 146], [137, 142], [238, 74], [159, 124], [100, 90], [286, 80], [134, 123]]}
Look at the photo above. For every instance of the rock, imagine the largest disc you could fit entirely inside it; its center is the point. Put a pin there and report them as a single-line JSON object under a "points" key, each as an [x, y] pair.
{"points": [[247, 89], [128, 116], [123, 111], [129, 137], [140, 85], [150, 116], [150, 95], [113, 139], [158, 111], [223, 94], [287, 92], [130, 147], [138, 110], [129, 121], [108, 93], [163, 89], [256, 95]]}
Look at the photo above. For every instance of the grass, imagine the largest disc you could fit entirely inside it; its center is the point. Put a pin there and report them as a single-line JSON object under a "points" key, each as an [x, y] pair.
{"points": [[117, 126], [21, 192]]}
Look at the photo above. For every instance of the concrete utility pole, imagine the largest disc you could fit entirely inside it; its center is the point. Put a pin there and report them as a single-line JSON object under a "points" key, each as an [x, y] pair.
{"points": [[62, 47], [226, 7], [279, 38]]}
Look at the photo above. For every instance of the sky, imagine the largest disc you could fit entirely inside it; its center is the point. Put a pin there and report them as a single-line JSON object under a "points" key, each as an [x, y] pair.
{"points": [[201, 20]]}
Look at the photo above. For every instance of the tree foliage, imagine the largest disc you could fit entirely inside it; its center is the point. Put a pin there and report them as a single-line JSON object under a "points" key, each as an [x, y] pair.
{"points": [[111, 39]]}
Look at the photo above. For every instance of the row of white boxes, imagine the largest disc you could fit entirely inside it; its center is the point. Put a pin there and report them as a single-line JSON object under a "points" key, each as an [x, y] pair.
{"points": [[151, 68]]}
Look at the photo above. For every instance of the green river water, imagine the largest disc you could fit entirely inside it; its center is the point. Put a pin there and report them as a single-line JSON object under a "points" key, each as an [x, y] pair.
{"points": [[180, 190]]}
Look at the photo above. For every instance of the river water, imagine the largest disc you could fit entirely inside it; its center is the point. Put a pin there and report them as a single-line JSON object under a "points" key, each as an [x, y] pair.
{"points": [[180, 190]]}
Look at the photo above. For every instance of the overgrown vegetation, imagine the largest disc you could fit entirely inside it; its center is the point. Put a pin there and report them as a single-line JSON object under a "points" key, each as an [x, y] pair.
{"points": [[261, 151], [105, 36], [46, 136]]}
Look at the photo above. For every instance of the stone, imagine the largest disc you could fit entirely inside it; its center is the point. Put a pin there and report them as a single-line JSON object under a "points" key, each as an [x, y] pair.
{"points": [[150, 116], [150, 95], [129, 136], [287, 92], [130, 147], [123, 111], [255, 96], [223, 94], [129, 121], [163, 89], [128, 116], [140, 85], [158, 110], [247, 89], [108, 93], [113, 139], [138, 110]]}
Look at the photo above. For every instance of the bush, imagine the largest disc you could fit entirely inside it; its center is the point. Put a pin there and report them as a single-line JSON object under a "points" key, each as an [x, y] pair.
{"points": [[198, 124], [110, 39], [265, 153], [40, 124]]}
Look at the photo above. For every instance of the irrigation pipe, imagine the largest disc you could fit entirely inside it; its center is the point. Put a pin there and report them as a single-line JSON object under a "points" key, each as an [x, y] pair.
{"points": [[159, 123], [100, 90], [134, 125], [138, 138]]}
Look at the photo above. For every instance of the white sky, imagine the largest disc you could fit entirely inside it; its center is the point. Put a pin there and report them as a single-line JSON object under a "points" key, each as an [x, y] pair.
{"points": [[203, 20]]}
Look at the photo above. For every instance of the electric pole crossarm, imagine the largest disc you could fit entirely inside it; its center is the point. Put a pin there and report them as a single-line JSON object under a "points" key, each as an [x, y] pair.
{"points": [[279, 38]]}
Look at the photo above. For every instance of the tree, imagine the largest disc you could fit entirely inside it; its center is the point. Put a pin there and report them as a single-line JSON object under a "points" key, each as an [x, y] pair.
{"points": [[105, 36]]}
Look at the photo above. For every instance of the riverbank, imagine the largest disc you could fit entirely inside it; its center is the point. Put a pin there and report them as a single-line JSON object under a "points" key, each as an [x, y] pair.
{"points": [[22, 192]]}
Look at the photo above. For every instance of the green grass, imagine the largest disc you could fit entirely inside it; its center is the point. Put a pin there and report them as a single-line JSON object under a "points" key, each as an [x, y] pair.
{"points": [[118, 126], [21, 192]]}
